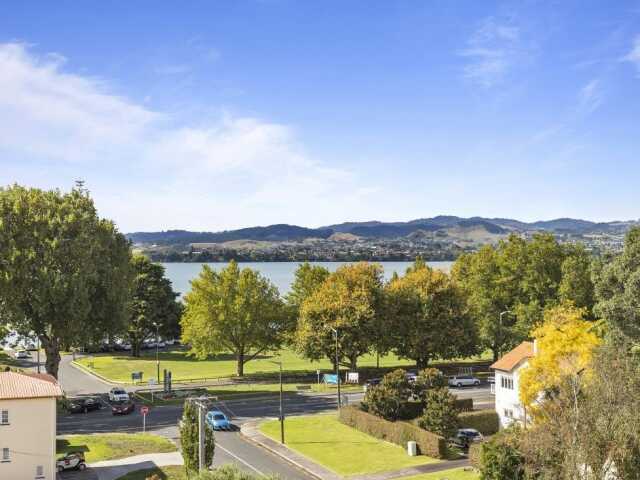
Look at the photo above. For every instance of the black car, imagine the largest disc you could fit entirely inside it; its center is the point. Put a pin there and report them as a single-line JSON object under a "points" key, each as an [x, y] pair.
{"points": [[122, 408], [84, 405]]}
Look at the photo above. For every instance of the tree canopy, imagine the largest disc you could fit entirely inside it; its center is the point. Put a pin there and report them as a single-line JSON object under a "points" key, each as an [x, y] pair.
{"points": [[233, 311]]}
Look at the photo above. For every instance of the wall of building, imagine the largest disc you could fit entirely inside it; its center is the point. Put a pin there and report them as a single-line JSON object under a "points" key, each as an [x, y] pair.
{"points": [[508, 404], [30, 437]]}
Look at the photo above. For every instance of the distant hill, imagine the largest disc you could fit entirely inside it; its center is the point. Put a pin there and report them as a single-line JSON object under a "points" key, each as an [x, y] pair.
{"points": [[474, 228]]}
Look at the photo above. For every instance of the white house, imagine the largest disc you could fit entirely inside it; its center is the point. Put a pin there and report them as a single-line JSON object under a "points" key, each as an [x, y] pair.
{"points": [[507, 379], [28, 426]]}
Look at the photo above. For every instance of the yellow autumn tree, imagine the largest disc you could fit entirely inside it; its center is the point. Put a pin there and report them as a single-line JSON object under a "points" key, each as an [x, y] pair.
{"points": [[565, 344]]}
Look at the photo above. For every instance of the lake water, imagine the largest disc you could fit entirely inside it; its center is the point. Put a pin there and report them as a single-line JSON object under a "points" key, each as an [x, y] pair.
{"points": [[280, 273]]}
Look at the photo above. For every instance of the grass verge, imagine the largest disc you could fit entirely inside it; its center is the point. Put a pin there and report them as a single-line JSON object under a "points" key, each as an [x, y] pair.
{"points": [[466, 473], [174, 472], [110, 446], [344, 450]]}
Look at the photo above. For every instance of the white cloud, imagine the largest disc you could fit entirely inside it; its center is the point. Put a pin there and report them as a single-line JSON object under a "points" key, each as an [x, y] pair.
{"points": [[493, 50], [590, 97], [634, 55], [146, 169]]}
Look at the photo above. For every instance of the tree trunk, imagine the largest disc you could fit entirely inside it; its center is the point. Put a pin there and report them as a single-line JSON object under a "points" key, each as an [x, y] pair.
{"points": [[353, 363], [422, 363], [52, 350], [496, 353], [135, 348], [240, 366]]}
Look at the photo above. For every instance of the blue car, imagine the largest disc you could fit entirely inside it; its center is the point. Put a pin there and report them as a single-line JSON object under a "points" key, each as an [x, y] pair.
{"points": [[218, 420]]}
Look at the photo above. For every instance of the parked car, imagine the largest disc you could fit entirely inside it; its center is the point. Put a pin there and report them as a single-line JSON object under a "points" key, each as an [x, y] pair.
{"points": [[372, 382], [71, 461], [465, 437], [463, 381], [411, 376], [117, 394], [124, 407], [218, 420], [161, 344], [84, 405], [20, 354]]}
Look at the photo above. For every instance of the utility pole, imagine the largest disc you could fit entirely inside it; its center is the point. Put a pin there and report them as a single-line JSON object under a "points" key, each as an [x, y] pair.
{"points": [[281, 404], [157, 325], [335, 332], [203, 405]]}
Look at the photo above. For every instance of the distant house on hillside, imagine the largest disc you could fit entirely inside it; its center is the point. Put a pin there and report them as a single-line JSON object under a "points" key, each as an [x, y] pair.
{"points": [[507, 381], [28, 426]]}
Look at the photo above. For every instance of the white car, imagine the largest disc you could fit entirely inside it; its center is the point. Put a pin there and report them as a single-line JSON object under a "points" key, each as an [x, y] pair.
{"points": [[22, 354], [117, 394], [464, 381]]}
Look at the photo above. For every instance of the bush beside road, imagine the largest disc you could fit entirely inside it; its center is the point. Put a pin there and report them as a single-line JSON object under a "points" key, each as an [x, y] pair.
{"points": [[111, 446]]}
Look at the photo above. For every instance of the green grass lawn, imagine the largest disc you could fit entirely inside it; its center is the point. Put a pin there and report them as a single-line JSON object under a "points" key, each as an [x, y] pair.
{"points": [[118, 367], [453, 474], [346, 451], [174, 472], [109, 446]]}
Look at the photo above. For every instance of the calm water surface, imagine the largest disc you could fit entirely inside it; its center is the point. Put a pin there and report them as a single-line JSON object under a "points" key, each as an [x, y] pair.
{"points": [[280, 273]]}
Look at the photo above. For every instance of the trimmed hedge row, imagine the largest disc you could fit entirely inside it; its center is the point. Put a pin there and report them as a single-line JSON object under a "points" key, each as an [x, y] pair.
{"points": [[414, 409], [399, 433], [485, 421]]}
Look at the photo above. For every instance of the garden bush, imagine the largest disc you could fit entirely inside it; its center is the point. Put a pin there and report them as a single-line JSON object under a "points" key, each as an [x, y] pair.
{"points": [[440, 413], [485, 421], [399, 433]]}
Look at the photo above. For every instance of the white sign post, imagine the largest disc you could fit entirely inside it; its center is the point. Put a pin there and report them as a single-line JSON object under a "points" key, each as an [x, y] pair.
{"points": [[144, 410]]}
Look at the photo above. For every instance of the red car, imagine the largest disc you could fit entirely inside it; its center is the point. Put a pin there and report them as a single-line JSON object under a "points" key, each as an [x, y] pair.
{"points": [[122, 408]]}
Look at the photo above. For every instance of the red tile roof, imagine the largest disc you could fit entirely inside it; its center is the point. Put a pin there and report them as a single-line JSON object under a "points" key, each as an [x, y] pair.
{"points": [[15, 385], [509, 361]]}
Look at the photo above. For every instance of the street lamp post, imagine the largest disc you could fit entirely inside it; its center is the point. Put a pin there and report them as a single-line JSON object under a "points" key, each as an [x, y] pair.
{"points": [[281, 404], [335, 332], [157, 325]]}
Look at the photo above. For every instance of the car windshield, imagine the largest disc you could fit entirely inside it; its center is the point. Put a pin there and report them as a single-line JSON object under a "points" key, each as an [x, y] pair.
{"points": [[118, 392], [218, 416]]}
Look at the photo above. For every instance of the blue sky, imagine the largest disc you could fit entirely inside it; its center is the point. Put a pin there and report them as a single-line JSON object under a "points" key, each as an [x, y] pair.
{"points": [[213, 115]]}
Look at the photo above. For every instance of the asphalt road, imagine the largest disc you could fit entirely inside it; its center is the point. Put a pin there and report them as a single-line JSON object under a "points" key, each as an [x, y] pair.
{"points": [[230, 446]]}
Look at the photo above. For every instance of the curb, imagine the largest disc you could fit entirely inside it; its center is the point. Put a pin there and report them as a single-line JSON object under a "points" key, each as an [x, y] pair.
{"points": [[254, 424], [88, 371]]}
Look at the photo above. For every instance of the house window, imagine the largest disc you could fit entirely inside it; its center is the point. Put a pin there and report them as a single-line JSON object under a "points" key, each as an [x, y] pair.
{"points": [[39, 471], [5, 455], [506, 382], [508, 413], [4, 417]]}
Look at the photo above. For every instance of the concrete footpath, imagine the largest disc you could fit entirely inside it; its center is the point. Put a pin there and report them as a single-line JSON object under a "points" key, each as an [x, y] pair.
{"points": [[113, 469], [252, 433]]}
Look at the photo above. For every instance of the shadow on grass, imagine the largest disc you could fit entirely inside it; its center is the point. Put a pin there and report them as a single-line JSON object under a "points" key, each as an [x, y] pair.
{"points": [[63, 446]]}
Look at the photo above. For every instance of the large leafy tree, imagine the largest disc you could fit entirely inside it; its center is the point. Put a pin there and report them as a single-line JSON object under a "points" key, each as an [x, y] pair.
{"points": [[236, 311], [618, 289], [153, 302], [307, 279], [65, 272], [428, 316], [350, 302]]}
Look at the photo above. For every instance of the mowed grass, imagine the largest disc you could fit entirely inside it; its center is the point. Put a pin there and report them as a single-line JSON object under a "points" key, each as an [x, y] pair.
{"points": [[173, 472], [110, 446], [342, 449], [453, 474], [118, 367]]}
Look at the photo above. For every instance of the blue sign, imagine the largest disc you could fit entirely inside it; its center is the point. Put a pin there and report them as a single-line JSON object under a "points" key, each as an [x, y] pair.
{"points": [[331, 378]]}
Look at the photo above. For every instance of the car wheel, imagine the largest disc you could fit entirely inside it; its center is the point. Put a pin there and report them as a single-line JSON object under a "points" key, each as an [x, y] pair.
{"points": [[476, 383], [82, 467], [459, 385], [60, 469]]}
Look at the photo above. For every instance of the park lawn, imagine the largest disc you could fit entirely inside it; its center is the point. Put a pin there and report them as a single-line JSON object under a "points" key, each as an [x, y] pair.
{"points": [[173, 472], [118, 367], [342, 449], [110, 446], [453, 474]]}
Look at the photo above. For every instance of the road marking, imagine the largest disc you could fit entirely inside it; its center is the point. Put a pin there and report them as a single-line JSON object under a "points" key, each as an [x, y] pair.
{"points": [[239, 459]]}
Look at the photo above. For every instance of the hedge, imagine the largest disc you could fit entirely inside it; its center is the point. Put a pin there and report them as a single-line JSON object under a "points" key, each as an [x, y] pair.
{"points": [[399, 433], [485, 421], [413, 410]]}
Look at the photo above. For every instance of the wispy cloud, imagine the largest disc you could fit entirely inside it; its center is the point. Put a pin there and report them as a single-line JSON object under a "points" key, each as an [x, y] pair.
{"points": [[634, 55], [492, 52], [208, 175], [590, 96]]}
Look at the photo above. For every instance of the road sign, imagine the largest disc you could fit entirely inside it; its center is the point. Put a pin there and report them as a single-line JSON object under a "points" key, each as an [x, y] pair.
{"points": [[144, 410]]}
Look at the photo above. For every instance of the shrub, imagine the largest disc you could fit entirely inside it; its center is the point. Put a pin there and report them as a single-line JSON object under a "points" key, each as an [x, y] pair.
{"points": [[475, 451], [189, 439], [500, 458], [486, 422], [229, 472], [428, 379], [389, 399], [464, 404], [440, 415], [399, 433]]}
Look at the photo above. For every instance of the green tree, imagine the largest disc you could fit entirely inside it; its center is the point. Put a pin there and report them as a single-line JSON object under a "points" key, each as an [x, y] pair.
{"points": [[307, 279], [428, 316], [501, 459], [576, 285], [389, 399], [618, 289], [428, 379], [153, 303], [237, 311], [189, 439], [349, 301], [440, 413], [65, 271]]}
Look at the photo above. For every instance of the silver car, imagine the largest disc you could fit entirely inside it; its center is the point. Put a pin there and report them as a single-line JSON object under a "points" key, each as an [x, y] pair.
{"points": [[464, 381]]}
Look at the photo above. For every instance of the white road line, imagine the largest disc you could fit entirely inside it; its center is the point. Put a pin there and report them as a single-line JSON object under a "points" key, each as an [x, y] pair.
{"points": [[239, 459]]}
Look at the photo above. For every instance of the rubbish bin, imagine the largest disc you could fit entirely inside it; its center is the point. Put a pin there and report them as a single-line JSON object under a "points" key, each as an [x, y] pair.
{"points": [[412, 449]]}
